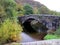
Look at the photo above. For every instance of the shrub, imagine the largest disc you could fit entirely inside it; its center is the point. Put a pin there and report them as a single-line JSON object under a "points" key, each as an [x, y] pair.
{"points": [[28, 9], [10, 29], [50, 36], [58, 31]]}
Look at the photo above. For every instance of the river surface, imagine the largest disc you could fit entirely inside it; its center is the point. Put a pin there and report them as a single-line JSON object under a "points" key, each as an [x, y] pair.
{"points": [[27, 38]]}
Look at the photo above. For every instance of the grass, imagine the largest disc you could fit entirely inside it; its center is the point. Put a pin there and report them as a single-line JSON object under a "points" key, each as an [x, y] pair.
{"points": [[50, 36]]}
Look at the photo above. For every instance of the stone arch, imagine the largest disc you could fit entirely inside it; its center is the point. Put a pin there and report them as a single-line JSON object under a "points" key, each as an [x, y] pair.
{"points": [[27, 26]]}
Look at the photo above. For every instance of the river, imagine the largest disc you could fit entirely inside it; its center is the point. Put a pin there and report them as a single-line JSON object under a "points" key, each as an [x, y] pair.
{"points": [[27, 38]]}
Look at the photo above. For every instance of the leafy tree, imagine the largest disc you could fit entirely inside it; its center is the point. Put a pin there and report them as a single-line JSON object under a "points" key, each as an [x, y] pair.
{"points": [[8, 6], [28, 9], [11, 8], [20, 10], [35, 10], [43, 10], [54, 12], [2, 14]]}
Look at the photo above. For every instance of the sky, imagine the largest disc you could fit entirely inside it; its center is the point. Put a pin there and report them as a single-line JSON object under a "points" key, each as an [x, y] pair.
{"points": [[51, 4]]}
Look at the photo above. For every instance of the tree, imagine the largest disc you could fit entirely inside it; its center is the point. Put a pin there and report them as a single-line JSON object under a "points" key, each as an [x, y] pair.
{"points": [[43, 10], [2, 14], [28, 9], [20, 10], [35, 10], [54, 12], [8, 9], [11, 8], [8, 6]]}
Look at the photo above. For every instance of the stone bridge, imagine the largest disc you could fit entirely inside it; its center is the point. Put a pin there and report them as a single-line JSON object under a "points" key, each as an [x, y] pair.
{"points": [[41, 24]]}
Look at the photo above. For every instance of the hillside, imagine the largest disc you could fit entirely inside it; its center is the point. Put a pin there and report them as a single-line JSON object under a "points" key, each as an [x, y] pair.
{"points": [[31, 2], [42, 9]]}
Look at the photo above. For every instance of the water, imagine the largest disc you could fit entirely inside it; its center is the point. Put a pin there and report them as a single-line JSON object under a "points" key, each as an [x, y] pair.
{"points": [[27, 38]]}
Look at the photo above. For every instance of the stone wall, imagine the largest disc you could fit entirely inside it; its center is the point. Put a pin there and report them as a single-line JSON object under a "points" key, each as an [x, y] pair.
{"points": [[45, 42], [51, 22]]}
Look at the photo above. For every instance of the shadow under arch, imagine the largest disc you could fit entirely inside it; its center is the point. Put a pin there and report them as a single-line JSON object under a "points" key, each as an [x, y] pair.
{"points": [[29, 29], [27, 26]]}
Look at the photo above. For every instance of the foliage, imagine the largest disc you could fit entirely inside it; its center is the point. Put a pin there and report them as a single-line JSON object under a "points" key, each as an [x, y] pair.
{"points": [[54, 13], [56, 35], [50, 36], [35, 10], [57, 31], [10, 8], [43, 10], [2, 12], [9, 30], [7, 3], [28, 9], [20, 10]]}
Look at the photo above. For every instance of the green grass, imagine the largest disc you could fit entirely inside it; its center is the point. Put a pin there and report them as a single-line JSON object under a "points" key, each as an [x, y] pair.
{"points": [[50, 36]]}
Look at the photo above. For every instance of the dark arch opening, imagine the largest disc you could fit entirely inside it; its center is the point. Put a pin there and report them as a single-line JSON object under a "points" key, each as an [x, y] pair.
{"points": [[27, 26]]}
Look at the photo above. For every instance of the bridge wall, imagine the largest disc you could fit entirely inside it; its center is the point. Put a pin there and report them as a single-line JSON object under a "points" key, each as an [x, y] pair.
{"points": [[51, 22]]}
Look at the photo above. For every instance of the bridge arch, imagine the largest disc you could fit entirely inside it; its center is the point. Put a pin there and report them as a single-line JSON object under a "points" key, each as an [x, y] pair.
{"points": [[26, 20], [30, 29], [27, 26]]}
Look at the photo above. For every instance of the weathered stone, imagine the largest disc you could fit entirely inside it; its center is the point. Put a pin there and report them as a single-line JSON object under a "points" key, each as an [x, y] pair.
{"points": [[43, 24]]}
